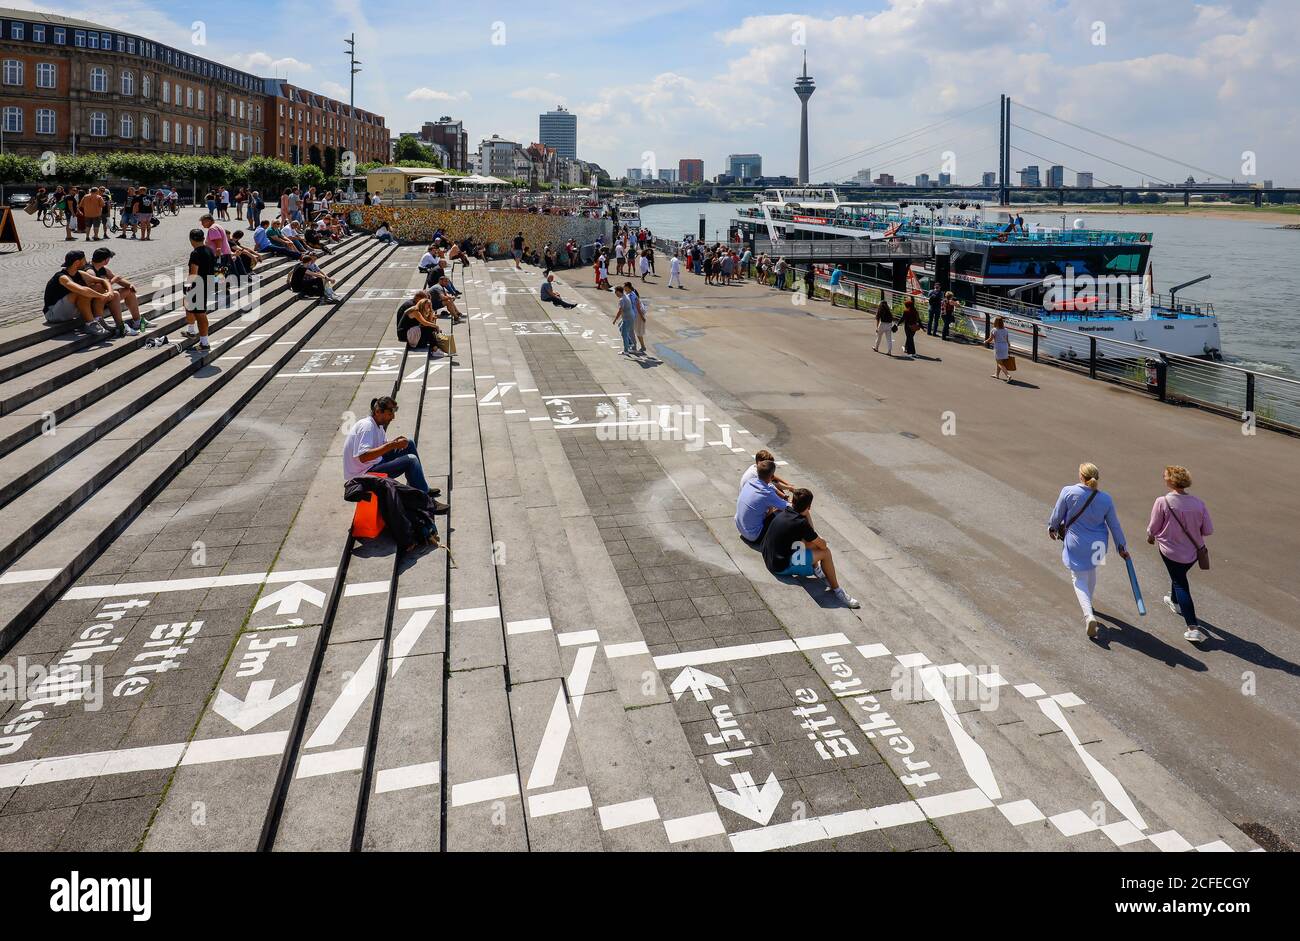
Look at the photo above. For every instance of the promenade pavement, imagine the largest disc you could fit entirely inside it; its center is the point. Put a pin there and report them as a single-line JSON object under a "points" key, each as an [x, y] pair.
{"points": [[598, 663]]}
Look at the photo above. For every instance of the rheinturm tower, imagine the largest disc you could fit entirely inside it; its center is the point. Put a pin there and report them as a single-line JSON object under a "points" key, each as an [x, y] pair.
{"points": [[804, 87]]}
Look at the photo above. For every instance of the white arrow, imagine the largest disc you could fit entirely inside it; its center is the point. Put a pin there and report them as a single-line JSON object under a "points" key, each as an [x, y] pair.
{"points": [[749, 800], [587, 334], [257, 707], [290, 597], [698, 682], [557, 401], [567, 421]]}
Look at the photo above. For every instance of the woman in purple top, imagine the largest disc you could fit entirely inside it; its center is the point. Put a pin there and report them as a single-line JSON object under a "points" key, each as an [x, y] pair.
{"points": [[1179, 524]]}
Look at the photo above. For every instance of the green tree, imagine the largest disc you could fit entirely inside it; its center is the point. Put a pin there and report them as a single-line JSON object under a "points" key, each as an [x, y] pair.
{"points": [[80, 169], [310, 175], [16, 169], [411, 153], [269, 175]]}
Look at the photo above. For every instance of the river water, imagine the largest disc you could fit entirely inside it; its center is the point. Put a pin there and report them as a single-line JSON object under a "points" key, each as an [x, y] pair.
{"points": [[1254, 285]]}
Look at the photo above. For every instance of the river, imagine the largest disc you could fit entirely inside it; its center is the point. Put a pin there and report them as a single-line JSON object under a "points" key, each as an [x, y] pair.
{"points": [[1255, 279]]}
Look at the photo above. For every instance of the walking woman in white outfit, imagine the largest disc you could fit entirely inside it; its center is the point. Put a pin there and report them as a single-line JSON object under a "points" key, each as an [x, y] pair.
{"points": [[1082, 518]]}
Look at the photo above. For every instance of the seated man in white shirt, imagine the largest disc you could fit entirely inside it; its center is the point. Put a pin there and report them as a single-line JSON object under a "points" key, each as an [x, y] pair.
{"points": [[783, 487], [367, 448]]}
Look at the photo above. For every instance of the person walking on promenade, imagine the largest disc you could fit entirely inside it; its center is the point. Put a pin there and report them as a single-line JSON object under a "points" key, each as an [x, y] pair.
{"points": [[517, 250], [780, 274], [1000, 340], [625, 320], [675, 274], [911, 326], [885, 328], [643, 265], [935, 299], [640, 307], [1178, 527], [950, 309], [1081, 518]]}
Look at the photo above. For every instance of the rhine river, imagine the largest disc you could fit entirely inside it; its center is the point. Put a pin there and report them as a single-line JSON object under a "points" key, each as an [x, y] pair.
{"points": [[1255, 279]]}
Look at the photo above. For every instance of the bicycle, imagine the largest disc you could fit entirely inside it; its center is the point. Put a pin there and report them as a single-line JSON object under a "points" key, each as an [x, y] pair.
{"points": [[170, 209], [55, 218]]}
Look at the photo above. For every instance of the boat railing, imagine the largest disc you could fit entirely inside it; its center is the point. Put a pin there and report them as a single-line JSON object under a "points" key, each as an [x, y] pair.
{"points": [[1256, 399], [843, 249]]}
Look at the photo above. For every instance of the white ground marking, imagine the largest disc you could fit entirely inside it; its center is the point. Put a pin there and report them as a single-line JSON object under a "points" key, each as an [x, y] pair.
{"points": [[31, 575], [1122, 833], [558, 802], [747, 651], [485, 789], [694, 827], [419, 601], [631, 649], [872, 651], [528, 626], [344, 708], [1073, 822], [628, 813], [475, 614], [331, 762], [408, 776], [1171, 841], [973, 757], [407, 637], [366, 588], [1021, 812], [191, 584], [1030, 690], [1109, 784], [576, 638], [551, 748]]}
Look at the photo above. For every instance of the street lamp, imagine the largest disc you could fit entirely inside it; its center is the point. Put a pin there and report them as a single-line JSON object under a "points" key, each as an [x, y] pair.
{"points": [[353, 68]]}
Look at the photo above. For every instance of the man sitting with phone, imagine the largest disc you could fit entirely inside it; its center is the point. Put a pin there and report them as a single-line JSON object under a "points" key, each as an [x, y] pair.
{"points": [[367, 448]]}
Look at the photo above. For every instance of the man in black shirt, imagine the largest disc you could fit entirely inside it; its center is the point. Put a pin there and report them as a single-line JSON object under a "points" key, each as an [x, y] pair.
{"points": [[200, 283], [67, 297], [792, 547], [518, 250]]}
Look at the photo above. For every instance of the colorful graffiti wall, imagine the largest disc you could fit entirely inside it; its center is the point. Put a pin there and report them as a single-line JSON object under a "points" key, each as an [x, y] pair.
{"points": [[488, 227]]}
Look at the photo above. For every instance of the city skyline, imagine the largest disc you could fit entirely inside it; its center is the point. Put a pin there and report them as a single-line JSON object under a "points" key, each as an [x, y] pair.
{"points": [[1209, 75]]}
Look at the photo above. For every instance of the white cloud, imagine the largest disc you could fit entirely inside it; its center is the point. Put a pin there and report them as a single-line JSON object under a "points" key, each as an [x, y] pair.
{"points": [[424, 93], [533, 93], [263, 63]]}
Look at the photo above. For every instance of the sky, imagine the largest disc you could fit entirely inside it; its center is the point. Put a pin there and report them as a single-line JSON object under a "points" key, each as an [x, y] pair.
{"points": [[1206, 89]]}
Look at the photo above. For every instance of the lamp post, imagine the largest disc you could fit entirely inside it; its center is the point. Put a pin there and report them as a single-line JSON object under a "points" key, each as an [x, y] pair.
{"points": [[353, 68]]}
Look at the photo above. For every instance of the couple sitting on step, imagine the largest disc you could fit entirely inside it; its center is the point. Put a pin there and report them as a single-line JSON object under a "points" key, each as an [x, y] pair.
{"points": [[417, 322], [775, 517]]}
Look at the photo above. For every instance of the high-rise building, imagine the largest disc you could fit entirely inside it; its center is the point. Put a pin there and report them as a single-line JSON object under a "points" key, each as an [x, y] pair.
{"points": [[690, 171], [1083, 179], [885, 179], [990, 179], [945, 179], [634, 174], [923, 179], [1029, 176], [744, 166], [804, 88], [1056, 175], [559, 129], [451, 135], [862, 177], [667, 176]]}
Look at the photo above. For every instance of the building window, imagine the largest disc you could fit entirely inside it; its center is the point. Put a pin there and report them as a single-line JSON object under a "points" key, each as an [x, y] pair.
{"points": [[221, 138], [79, 38], [146, 85], [38, 33], [121, 44], [13, 72], [127, 127], [46, 75], [60, 36], [98, 124], [44, 120], [15, 30], [221, 103], [92, 40], [105, 41], [167, 132], [167, 92], [98, 79], [130, 46], [13, 121], [176, 127], [189, 97], [200, 138], [282, 110], [257, 145], [144, 127], [128, 82], [200, 99], [189, 135], [243, 110]]}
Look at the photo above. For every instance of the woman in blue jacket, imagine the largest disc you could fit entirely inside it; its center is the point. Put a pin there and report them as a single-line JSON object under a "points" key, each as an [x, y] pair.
{"points": [[1085, 517]]}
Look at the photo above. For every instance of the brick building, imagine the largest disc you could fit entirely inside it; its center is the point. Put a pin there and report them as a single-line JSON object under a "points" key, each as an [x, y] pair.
{"points": [[71, 86], [690, 171], [303, 127], [452, 136]]}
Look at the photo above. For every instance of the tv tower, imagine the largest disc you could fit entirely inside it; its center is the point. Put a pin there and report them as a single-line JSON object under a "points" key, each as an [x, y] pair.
{"points": [[804, 87]]}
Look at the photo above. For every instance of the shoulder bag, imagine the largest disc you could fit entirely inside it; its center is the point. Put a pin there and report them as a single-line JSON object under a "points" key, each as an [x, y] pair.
{"points": [[1202, 550], [1059, 531]]}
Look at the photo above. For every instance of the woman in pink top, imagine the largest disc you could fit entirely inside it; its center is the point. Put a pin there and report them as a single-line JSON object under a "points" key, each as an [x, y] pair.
{"points": [[1179, 524]]}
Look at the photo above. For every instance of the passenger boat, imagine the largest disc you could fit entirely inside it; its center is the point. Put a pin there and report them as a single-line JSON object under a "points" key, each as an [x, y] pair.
{"points": [[1095, 282]]}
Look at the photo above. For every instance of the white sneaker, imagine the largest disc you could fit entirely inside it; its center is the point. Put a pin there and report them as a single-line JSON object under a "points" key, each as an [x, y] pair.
{"points": [[1194, 635], [131, 331], [192, 330], [1172, 605], [203, 343], [817, 570], [1091, 625], [843, 598]]}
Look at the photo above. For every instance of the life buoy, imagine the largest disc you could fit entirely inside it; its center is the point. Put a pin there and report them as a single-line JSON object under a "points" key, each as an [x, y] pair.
{"points": [[893, 230], [1142, 237], [1002, 236]]}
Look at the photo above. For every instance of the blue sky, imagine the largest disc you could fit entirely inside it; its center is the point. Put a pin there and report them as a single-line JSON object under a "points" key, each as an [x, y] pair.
{"points": [[1203, 82]]}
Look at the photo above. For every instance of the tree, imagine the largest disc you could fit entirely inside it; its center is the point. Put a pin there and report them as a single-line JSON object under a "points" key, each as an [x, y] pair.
{"points": [[411, 153], [310, 175], [269, 175], [331, 163], [16, 169], [82, 169]]}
